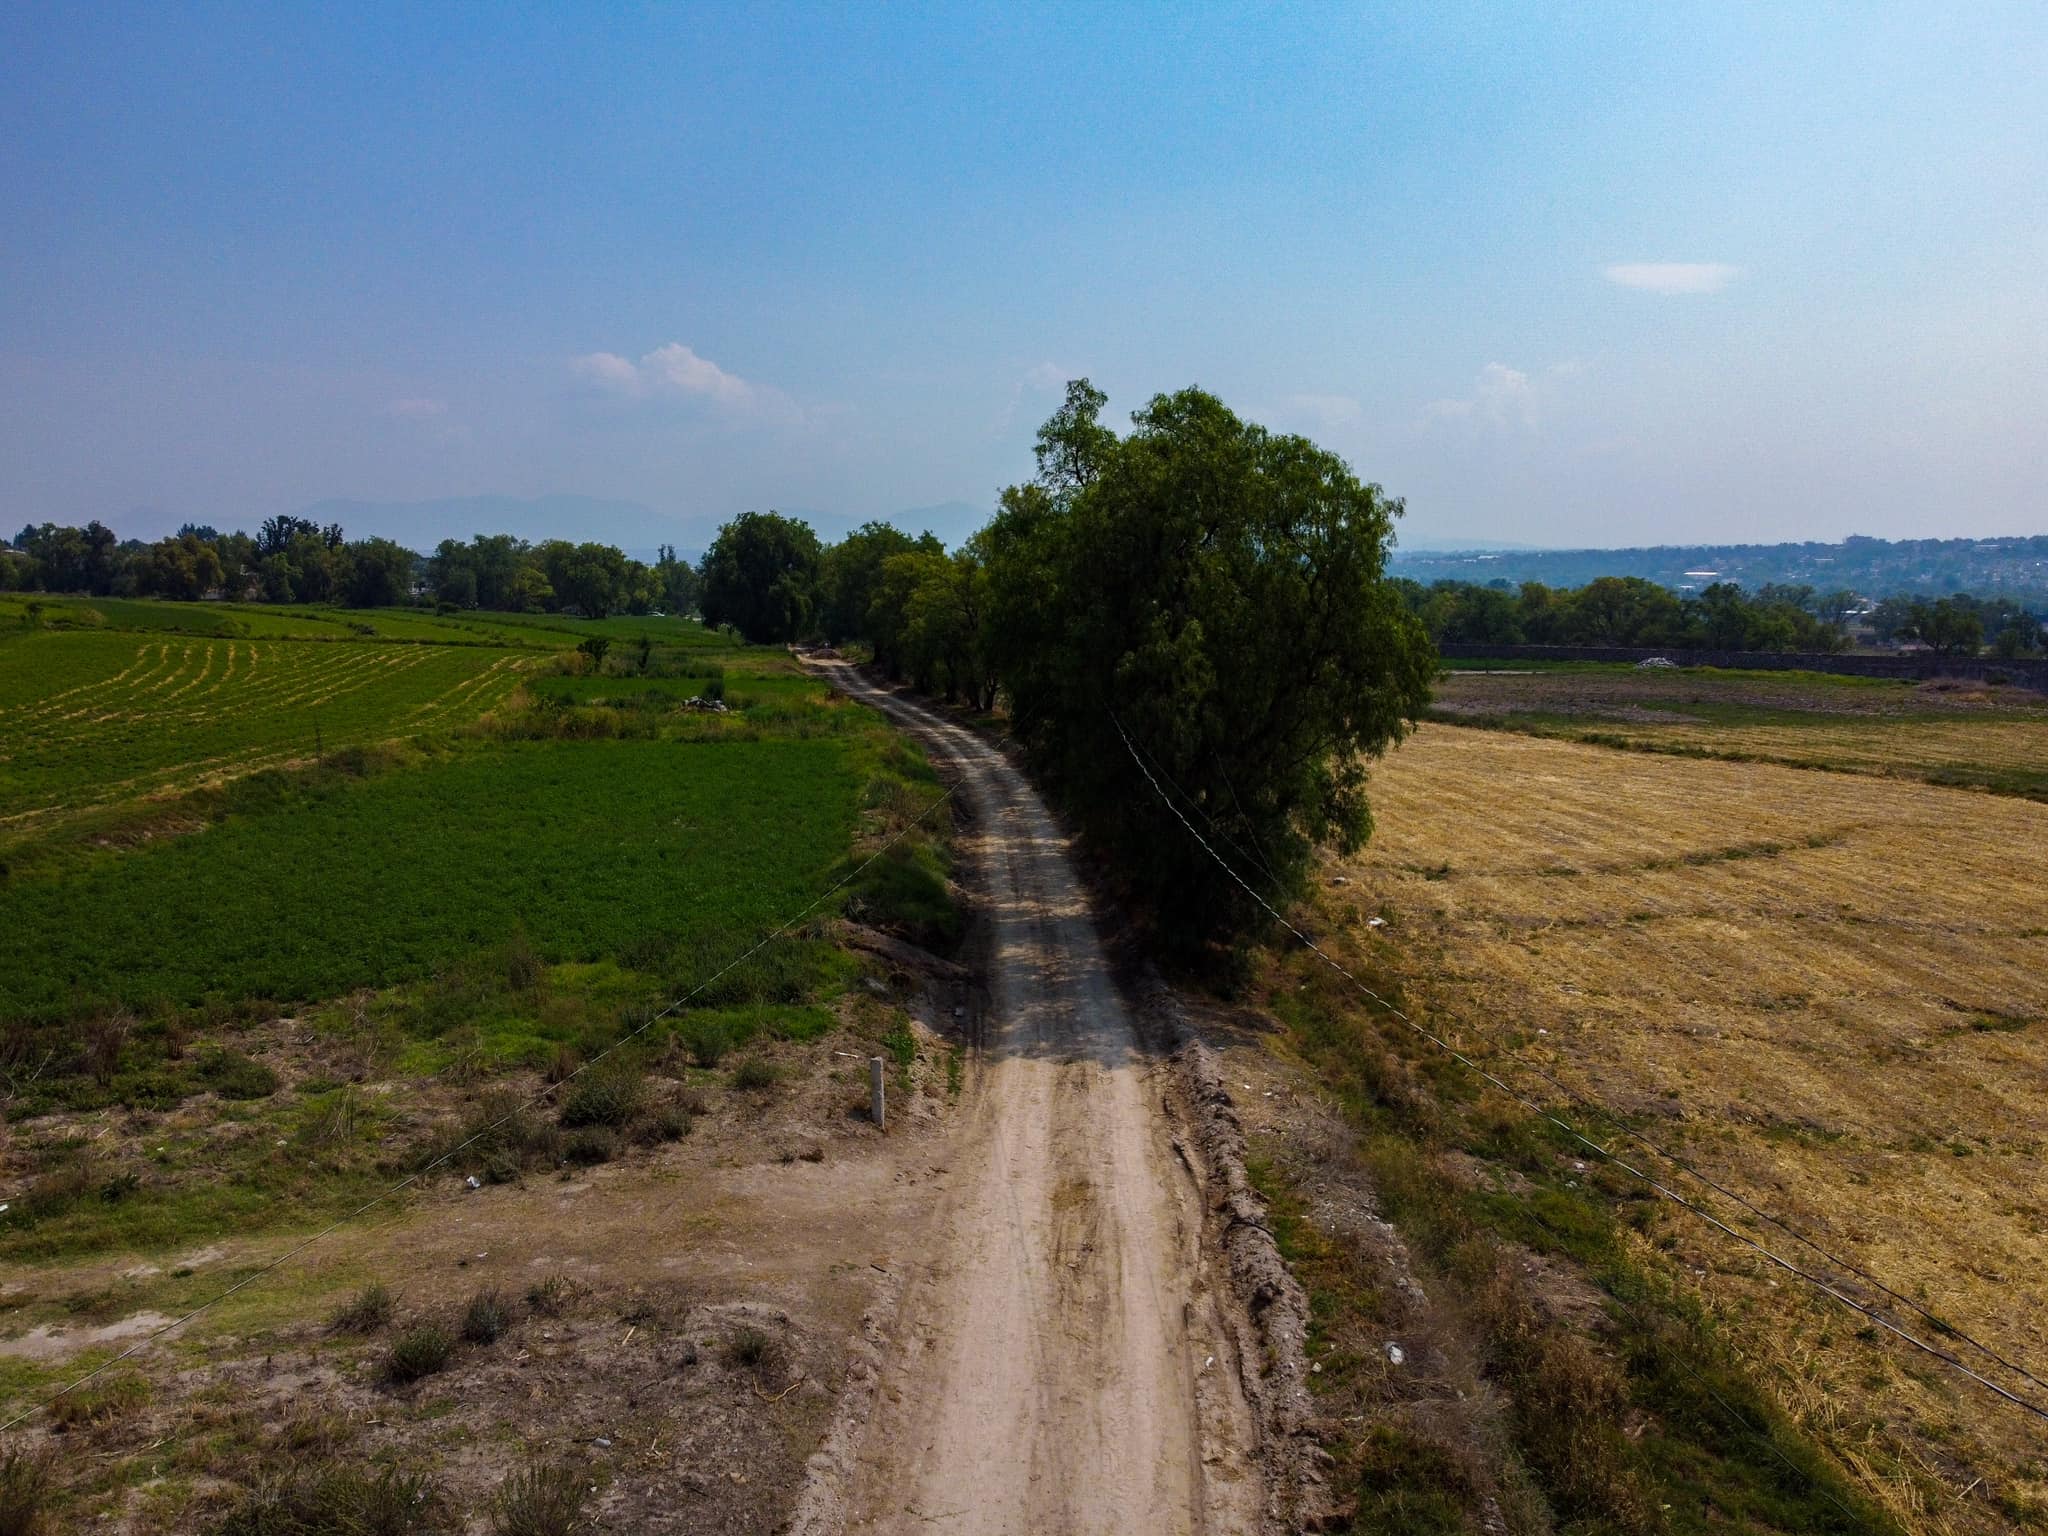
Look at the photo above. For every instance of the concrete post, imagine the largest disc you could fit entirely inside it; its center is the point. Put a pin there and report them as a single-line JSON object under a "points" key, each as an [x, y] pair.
{"points": [[877, 1111]]}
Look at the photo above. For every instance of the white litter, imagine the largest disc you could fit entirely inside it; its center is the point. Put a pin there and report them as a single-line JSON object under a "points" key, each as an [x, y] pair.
{"points": [[1396, 1355], [1375, 922], [474, 1182]]}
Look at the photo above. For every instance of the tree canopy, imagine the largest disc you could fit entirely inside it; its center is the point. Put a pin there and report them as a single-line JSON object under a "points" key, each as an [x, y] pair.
{"points": [[760, 576], [1217, 592]]}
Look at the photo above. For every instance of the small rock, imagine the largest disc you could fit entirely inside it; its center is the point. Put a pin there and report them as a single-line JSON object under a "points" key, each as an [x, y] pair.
{"points": [[1396, 1355], [601, 1443]]}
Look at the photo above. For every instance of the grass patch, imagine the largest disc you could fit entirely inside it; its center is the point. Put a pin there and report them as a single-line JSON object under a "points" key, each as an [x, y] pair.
{"points": [[342, 1501], [540, 1499]]}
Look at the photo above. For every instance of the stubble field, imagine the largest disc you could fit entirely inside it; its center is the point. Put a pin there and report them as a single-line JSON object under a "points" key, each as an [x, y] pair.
{"points": [[1828, 992]]}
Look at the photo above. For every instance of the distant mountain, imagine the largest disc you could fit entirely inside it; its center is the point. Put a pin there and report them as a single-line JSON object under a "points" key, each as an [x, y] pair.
{"points": [[2016, 567], [1407, 547], [421, 525]]}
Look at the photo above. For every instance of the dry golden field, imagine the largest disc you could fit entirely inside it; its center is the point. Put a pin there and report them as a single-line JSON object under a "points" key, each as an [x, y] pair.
{"points": [[1828, 991]]}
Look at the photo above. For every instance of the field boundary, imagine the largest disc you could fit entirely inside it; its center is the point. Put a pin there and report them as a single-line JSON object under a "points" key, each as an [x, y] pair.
{"points": [[2026, 674]]}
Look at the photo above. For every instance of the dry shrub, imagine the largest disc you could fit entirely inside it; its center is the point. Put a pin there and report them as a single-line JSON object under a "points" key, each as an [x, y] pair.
{"points": [[105, 1037], [487, 1316], [24, 1490]]}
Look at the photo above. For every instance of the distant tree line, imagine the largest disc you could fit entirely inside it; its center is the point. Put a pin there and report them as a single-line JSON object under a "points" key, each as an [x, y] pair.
{"points": [[294, 560], [1632, 611]]}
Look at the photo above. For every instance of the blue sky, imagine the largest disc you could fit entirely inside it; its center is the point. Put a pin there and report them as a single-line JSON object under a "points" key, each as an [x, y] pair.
{"points": [[1560, 275]]}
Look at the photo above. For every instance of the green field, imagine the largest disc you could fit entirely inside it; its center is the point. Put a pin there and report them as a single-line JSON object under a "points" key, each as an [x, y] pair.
{"points": [[94, 717], [593, 846]]}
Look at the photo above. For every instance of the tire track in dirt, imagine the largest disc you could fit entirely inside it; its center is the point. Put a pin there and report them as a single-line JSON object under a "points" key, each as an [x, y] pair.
{"points": [[1058, 1365]]}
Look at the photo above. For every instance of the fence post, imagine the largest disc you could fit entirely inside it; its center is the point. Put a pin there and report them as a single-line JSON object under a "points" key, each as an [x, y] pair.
{"points": [[877, 1111]]}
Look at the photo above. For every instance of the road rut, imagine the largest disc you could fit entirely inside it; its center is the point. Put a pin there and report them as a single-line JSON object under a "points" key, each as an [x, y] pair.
{"points": [[1058, 1365]]}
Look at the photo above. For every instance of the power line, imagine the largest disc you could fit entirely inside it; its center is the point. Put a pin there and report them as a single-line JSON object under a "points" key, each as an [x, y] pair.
{"points": [[378, 1199], [1572, 1131]]}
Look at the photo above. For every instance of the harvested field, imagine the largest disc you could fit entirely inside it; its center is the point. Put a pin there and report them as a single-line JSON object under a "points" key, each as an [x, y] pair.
{"points": [[1942, 731], [1828, 992]]}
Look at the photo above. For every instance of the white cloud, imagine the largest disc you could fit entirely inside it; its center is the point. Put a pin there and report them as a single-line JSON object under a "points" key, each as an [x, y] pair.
{"points": [[416, 409], [672, 370], [1672, 276], [1501, 397], [1045, 376]]}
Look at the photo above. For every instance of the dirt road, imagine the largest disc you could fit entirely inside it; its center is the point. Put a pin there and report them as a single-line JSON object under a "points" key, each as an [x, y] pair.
{"points": [[1059, 1364]]}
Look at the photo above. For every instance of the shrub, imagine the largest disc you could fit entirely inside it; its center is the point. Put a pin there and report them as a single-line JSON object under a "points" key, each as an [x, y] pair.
{"points": [[591, 1145], [341, 1500], [420, 1351], [235, 1076], [754, 1074], [365, 1312], [750, 1349], [24, 1489], [539, 1500], [607, 1095], [486, 1318]]}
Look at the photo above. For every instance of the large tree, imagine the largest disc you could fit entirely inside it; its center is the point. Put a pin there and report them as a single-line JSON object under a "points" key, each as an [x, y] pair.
{"points": [[761, 576], [1219, 593]]}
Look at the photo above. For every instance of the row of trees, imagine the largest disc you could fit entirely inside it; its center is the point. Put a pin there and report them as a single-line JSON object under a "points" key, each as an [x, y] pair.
{"points": [[287, 560], [1631, 611], [293, 560]]}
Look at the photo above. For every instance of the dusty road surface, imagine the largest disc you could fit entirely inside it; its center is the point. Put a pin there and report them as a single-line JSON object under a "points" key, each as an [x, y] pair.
{"points": [[1058, 1363]]}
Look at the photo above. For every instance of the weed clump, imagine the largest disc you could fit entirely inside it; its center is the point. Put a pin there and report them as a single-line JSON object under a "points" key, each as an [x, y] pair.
{"points": [[609, 1095], [671, 1122], [421, 1351], [539, 1500], [101, 1402], [365, 1312], [755, 1075], [487, 1316]]}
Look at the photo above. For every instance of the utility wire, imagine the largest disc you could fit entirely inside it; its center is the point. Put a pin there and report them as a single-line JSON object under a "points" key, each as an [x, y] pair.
{"points": [[378, 1199], [1572, 1131]]}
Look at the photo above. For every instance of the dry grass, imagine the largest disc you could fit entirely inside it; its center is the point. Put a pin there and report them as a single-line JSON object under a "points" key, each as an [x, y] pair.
{"points": [[1831, 992]]}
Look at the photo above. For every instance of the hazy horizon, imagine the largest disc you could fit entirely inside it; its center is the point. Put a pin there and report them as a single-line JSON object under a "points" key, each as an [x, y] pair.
{"points": [[1617, 279]]}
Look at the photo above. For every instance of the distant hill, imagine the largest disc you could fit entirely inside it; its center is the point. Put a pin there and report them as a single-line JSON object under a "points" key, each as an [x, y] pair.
{"points": [[1872, 567]]}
